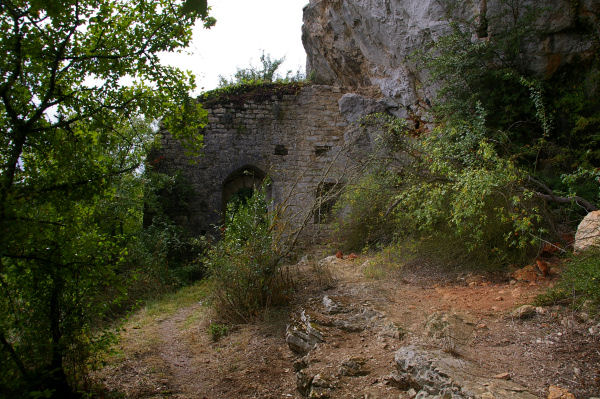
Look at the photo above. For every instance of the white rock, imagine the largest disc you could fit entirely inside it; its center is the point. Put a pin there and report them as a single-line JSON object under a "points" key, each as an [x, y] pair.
{"points": [[524, 312], [588, 232]]}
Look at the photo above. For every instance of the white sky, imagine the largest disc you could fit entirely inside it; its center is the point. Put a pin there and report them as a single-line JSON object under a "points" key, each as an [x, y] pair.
{"points": [[244, 28]]}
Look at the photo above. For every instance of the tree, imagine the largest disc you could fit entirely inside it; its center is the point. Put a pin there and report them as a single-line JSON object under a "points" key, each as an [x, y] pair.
{"points": [[266, 73], [76, 76]]}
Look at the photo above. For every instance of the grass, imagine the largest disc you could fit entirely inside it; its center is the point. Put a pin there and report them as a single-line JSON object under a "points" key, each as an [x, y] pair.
{"points": [[140, 337], [137, 334], [579, 286], [389, 260], [170, 303], [439, 252]]}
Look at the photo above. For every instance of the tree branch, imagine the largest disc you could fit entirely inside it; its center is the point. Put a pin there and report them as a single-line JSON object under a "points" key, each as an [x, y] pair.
{"points": [[58, 58], [551, 196], [13, 355], [70, 185]]}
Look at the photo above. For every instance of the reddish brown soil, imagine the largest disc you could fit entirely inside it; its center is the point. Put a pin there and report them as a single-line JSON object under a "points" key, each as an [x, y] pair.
{"points": [[176, 358]]}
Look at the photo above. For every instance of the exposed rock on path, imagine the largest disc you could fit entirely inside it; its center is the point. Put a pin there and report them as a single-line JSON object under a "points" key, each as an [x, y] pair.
{"points": [[349, 321], [349, 337]]}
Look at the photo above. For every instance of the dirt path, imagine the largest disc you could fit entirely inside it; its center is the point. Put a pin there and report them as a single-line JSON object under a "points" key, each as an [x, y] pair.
{"points": [[359, 326], [175, 353]]}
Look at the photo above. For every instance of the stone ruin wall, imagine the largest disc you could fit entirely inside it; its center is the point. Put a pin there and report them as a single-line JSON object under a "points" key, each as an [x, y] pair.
{"points": [[310, 138], [301, 141]]}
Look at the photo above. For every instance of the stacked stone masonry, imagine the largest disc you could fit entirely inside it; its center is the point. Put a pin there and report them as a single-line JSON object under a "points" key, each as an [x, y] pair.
{"points": [[300, 141]]}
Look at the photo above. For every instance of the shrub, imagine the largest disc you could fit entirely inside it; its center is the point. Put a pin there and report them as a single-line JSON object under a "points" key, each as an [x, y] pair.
{"points": [[453, 184], [167, 247], [244, 266], [580, 283], [459, 182], [362, 211], [217, 331], [267, 72]]}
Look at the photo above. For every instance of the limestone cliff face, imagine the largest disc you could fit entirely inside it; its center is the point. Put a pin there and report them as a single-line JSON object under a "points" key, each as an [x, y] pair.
{"points": [[369, 42]]}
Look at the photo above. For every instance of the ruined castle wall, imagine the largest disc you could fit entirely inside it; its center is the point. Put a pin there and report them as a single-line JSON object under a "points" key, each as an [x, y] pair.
{"points": [[299, 140]]}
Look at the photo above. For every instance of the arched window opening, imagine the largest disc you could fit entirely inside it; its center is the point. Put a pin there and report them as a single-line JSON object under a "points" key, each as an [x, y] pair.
{"points": [[239, 186]]}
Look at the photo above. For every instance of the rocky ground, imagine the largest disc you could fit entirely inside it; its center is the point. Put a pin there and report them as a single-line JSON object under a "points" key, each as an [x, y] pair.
{"points": [[411, 334]]}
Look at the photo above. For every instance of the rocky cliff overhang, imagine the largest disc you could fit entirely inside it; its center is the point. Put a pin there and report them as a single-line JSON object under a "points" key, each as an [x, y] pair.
{"points": [[358, 43]]}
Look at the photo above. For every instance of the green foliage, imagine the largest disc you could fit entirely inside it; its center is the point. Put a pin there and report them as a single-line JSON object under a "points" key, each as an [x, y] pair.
{"points": [[505, 141], [67, 226], [472, 72], [244, 265], [579, 284], [362, 211], [165, 253], [544, 130], [451, 184], [389, 260], [72, 136], [460, 182], [266, 73], [217, 331], [257, 91], [256, 84]]}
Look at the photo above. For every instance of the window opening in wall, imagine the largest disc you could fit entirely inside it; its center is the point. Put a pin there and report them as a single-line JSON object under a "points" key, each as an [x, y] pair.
{"points": [[240, 185], [322, 149], [280, 150], [326, 196]]}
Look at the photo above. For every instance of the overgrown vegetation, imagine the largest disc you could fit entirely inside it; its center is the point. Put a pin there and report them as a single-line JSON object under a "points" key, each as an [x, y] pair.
{"points": [[512, 158], [72, 139], [267, 72], [245, 265], [255, 83], [217, 331], [579, 286]]}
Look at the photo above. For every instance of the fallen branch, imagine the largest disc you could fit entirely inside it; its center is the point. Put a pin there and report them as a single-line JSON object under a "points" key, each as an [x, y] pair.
{"points": [[551, 196]]}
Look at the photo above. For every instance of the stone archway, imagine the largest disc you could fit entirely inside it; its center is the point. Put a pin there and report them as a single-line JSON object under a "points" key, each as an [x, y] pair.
{"points": [[241, 183]]}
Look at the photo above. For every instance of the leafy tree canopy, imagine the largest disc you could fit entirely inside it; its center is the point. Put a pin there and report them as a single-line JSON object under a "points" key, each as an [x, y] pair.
{"points": [[77, 80]]}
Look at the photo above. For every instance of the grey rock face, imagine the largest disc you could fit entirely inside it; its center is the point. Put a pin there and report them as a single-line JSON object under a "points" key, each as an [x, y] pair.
{"points": [[437, 374], [302, 336], [370, 42], [354, 106]]}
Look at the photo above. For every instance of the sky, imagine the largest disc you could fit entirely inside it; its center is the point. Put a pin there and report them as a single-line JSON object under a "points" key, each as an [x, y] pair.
{"points": [[244, 29]]}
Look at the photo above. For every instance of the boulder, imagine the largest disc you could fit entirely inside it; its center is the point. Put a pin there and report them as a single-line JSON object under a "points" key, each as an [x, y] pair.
{"points": [[437, 374], [330, 261], [303, 382], [524, 312], [354, 367], [321, 387], [588, 232], [302, 336]]}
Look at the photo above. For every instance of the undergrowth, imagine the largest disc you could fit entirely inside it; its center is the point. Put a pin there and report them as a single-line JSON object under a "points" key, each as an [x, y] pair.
{"points": [[244, 267], [579, 286]]}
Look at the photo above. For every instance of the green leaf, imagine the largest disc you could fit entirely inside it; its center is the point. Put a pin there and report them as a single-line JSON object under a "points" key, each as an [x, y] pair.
{"points": [[195, 6], [53, 8]]}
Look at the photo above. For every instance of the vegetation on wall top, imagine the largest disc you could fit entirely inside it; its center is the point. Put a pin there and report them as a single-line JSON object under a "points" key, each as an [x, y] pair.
{"points": [[257, 91], [256, 84]]}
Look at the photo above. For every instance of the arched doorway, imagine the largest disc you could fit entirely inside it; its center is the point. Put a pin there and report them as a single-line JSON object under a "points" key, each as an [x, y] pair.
{"points": [[240, 185]]}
